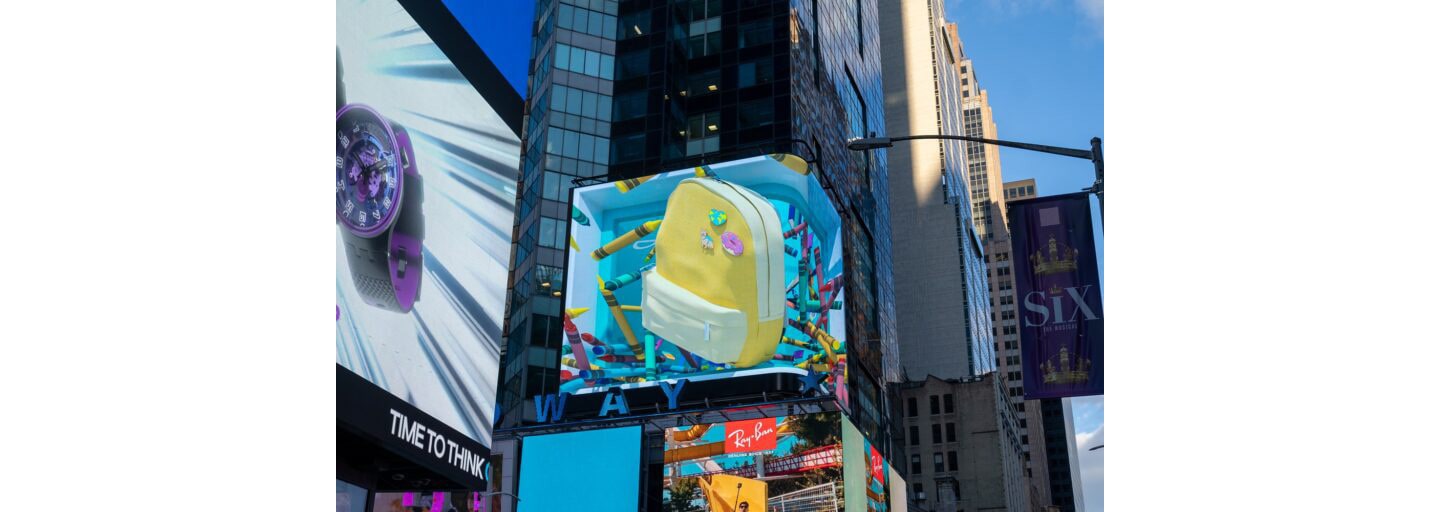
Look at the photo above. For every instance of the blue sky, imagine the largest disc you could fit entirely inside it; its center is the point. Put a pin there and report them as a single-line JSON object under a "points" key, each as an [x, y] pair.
{"points": [[502, 28], [1043, 63]]}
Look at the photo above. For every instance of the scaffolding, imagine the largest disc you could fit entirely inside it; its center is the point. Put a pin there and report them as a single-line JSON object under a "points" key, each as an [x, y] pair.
{"points": [[820, 498]]}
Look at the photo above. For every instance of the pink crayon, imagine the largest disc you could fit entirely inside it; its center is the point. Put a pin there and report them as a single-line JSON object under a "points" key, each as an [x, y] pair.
{"points": [[576, 347], [795, 230]]}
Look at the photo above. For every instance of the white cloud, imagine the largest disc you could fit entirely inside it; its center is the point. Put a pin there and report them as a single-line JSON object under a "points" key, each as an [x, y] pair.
{"points": [[1094, 13], [1092, 467]]}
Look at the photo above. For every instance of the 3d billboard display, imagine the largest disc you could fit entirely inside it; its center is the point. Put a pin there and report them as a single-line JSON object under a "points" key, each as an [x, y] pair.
{"points": [[711, 273], [785, 463], [425, 172]]}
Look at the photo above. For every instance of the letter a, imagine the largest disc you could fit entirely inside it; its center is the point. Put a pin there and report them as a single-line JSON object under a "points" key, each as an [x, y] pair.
{"points": [[615, 399]]}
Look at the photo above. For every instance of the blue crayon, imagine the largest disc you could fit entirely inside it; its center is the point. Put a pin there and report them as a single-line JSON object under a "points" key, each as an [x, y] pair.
{"points": [[619, 282], [572, 385]]}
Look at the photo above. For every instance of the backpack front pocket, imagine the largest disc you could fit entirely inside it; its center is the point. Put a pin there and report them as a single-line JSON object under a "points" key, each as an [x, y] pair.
{"points": [[678, 315]]}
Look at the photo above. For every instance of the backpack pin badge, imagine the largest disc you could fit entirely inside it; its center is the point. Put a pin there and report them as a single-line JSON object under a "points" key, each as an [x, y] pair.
{"points": [[718, 217], [706, 242], [731, 243]]}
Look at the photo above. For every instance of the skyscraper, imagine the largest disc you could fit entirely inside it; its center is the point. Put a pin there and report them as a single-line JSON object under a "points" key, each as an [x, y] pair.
{"points": [[988, 194], [944, 314], [622, 89]]}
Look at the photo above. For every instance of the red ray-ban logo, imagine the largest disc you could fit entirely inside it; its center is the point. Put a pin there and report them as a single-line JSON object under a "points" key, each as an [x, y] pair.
{"points": [[750, 435]]}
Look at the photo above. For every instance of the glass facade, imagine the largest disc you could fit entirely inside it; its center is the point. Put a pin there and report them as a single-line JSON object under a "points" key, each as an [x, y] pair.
{"points": [[661, 85], [567, 137]]}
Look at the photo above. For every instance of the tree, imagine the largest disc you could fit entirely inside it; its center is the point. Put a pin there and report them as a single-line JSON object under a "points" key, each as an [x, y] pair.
{"points": [[683, 493]]}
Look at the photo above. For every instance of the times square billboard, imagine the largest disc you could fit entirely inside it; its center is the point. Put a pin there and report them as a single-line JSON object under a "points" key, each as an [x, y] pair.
{"points": [[702, 283], [426, 157]]}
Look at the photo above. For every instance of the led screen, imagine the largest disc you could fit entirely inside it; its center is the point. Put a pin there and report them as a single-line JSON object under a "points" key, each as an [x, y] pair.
{"points": [[867, 474], [593, 471], [715, 272], [785, 463], [425, 172]]}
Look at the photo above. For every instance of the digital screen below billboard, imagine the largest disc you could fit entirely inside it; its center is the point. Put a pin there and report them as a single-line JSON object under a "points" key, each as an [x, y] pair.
{"points": [[785, 463], [425, 173], [593, 470], [720, 271], [867, 474]]}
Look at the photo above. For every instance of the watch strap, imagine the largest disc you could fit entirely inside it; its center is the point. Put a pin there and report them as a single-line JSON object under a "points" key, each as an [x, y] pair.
{"points": [[406, 262]]}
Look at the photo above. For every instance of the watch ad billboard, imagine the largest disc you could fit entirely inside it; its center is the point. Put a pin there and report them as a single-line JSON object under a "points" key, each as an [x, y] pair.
{"points": [[705, 274], [784, 463], [426, 158]]}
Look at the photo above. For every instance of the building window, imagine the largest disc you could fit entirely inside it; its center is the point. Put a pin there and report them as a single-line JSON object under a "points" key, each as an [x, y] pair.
{"points": [[919, 491], [914, 435], [934, 404], [949, 432], [756, 72], [915, 464], [934, 433], [954, 460], [702, 134], [756, 113], [910, 407], [949, 403], [756, 33], [939, 463]]}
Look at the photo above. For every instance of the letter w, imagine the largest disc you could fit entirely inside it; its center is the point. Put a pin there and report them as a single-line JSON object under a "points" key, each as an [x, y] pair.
{"points": [[552, 408]]}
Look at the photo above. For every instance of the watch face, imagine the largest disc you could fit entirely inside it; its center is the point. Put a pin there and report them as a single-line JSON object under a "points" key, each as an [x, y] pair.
{"points": [[367, 171]]}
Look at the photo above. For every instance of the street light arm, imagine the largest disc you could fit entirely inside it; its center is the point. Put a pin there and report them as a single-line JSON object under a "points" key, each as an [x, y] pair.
{"points": [[885, 142]]}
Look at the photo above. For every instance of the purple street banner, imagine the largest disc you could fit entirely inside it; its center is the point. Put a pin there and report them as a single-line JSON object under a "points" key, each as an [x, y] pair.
{"points": [[1062, 325]]}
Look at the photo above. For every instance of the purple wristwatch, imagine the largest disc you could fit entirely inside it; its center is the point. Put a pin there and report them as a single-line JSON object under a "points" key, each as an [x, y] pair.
{"points": [[378, 200]]}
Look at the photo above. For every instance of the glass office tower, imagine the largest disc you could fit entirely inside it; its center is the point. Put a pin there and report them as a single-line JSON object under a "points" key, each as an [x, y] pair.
{"points": [[629, 88]]}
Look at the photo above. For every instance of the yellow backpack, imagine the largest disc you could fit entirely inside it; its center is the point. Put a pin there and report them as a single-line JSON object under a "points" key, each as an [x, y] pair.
{"points": [[718, 286]]}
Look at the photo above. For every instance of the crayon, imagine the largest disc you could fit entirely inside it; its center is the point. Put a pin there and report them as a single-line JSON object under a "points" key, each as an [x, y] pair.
{"points": [[622, 372], [650, 356], [574, 246], [573, 334], [804, 281], [794, 231], [618, 358], [626, 239], [650, 256], [579, 216], [826, 341], [635, 309], [620, 282], [791, 251], [792, 341], [576, 312], [572, 386], [603, 350], [630, 184], [832, 283], [620, 320], [689, 359]]}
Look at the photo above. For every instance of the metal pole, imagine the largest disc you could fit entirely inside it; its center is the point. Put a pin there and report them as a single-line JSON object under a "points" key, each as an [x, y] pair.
{"points": [[1099, 159]]}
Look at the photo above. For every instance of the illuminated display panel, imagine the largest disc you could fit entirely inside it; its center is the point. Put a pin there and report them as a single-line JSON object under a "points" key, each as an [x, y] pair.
{"points": [[710, 273], [784, 463], [867, 474], [424, 195], [593, 470]]}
